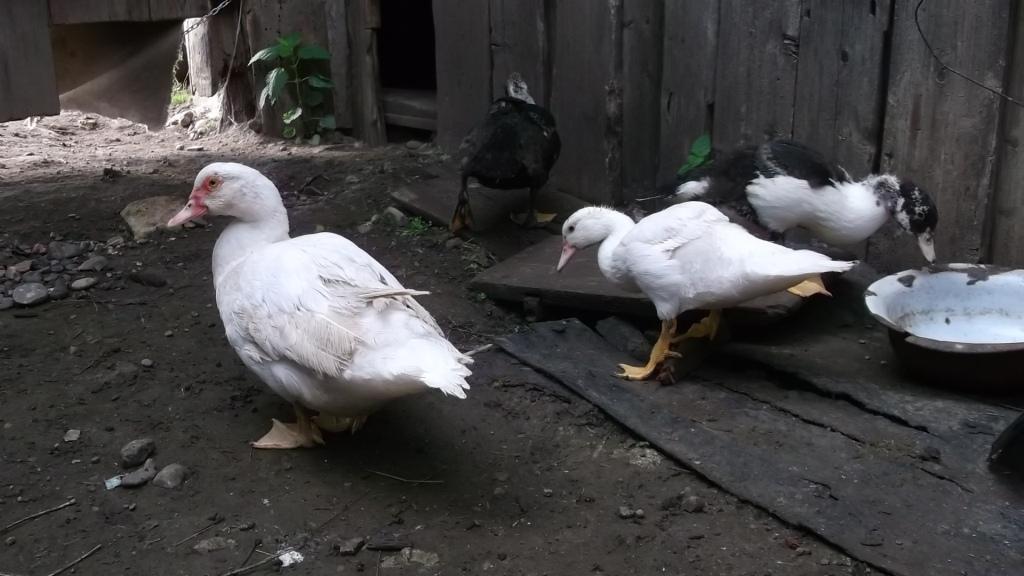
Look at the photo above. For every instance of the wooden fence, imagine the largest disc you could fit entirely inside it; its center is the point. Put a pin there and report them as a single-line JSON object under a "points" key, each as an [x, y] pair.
{"points": [[633, 82]]}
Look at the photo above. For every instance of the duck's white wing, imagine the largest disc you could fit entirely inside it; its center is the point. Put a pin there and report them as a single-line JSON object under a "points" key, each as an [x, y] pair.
{"points": [[674, 226], [301, 300]]}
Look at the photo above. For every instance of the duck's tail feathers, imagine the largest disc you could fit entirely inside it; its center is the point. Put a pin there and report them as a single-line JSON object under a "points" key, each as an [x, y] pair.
{"points": [[441, 365]]}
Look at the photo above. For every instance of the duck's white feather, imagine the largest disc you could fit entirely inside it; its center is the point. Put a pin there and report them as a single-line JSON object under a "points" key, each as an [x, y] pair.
{"points": [[690, 256]]}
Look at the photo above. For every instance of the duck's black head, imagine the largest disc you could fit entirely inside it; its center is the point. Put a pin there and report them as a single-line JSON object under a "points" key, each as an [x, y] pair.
{"points": [[916, 213]]}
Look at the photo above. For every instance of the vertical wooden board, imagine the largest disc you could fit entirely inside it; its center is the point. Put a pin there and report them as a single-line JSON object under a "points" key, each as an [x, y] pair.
{"points": [[756, 71], [205, 57], [840, 83], [641, 94], [519, 44], [84, 11], [178, 9], [940, 130], [341, 63], [463, 52], [1007, 241], [28, 86], [582, 99], [687, 79], [367, 108]]}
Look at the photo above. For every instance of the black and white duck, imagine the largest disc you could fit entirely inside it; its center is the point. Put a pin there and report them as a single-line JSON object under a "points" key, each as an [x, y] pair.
{"points": [[781, 184], [515, 147]]}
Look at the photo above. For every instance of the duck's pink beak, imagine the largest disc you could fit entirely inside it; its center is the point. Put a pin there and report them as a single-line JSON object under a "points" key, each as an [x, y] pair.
{"points": [[567, 251], [194, 209]]}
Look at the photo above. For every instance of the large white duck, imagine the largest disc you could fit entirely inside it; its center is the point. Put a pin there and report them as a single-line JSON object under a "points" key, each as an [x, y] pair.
{"points": [[321, 322], [686, 257]]}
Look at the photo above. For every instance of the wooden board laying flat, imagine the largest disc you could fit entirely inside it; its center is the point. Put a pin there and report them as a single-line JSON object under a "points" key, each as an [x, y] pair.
{"points": [[899, 483]]}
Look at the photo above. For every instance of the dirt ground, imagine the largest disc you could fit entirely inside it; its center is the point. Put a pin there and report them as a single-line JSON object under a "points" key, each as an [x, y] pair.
{"points": [[522, 478]]}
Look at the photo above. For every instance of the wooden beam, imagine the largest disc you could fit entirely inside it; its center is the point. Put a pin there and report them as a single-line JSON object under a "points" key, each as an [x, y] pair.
{"points": [[28, 86], [86, 11], [1007, 241], [642, 39], [519, 44], [758, 46], [341, 60], [940, 130], [840, 82], [687, 80], [178, 9], [463, 52], [367, 110]]}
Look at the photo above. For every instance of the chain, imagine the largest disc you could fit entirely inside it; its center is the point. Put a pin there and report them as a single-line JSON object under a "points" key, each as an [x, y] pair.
{"points": [[213, 12]]}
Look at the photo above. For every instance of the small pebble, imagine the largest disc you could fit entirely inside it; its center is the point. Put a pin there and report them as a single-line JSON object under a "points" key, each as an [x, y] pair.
{"points": [[625, 512], [693, 504], [179, 147], [146, 363], [30, 294], [195, 148], [351, 547], [137, 451], [72, 435], [169, 333], [548, 492], [639, 513], [83, 283], [10, 541], [94, 264]]}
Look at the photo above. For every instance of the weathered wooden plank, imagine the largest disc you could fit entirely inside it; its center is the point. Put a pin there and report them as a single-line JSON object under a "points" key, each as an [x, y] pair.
{"points": [[367, 109], [341, 60], [687, 79], [178, 9], [839, 90], [755, 76], [462, 46], [519, 44], [28, 86], [795, 456], [586, 98], [940, 130], [85, 11], [1006, 246], [642, 40], [206, 58]]}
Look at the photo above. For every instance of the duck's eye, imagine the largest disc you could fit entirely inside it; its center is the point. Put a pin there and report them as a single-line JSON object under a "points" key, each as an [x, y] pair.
{"points": [[572, 229], [213, 183]]}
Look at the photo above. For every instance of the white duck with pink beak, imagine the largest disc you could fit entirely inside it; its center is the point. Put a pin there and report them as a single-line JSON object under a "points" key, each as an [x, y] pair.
{"points": [[321, 322]]}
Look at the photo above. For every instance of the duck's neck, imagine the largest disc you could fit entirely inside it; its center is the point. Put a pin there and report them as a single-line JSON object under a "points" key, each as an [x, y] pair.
{"points": [[243, 237], [618, 226]]}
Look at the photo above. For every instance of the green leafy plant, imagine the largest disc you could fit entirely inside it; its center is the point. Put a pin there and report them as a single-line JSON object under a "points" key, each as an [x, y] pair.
{"points": [[415, 227], [294, 72], [700, 151]]}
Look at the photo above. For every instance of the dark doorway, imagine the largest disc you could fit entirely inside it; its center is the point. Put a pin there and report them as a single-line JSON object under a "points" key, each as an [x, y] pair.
{"points": [[408, 73]]}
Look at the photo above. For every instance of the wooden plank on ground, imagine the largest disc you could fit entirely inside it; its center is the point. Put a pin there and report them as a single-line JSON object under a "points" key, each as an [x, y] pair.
{"points": [[940, 130], [687, 80], [642, 40], [839, 90], [862, 480], [86, 11], [341, 60], [586, 99], [1006, 246], [755, 78], [463, 50], [519, 44], [28, 86]]}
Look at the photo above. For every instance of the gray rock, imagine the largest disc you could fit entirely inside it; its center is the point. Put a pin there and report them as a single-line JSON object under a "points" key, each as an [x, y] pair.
{"points": [[151, 214], [23, 266], [146, 363], [60, 289], [12, 274], [94, 264], [6, 303], [83, 283], [137, 451], [414, 144], [625, 512], [624, 336], [395, 217], [33, 276], [693, 504], [172, 476], [61, 250], [214, 544], [30, 294], [140, 476], [351, 547]]}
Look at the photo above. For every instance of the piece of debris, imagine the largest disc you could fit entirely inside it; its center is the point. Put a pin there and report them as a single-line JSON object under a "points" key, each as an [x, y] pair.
{"points": [[365, 227], [30, 294], [137, 451], [140, 476], [148, 215], [172, 476], [625, 512], [214, 544], [395, 217], [290, 558], [72, 435], [83, 283], [63, 250], [350, 547], [111, 483], [195, 148]]}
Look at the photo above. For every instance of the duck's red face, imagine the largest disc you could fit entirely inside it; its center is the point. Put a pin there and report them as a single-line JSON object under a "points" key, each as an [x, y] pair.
{"points": [[196, 205]]}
